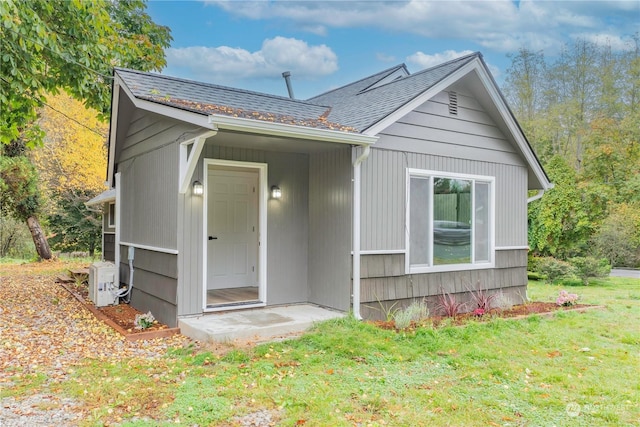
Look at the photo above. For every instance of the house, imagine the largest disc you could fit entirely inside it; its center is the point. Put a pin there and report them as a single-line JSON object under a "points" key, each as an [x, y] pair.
{"points": [[387, 189], [105, 203]]}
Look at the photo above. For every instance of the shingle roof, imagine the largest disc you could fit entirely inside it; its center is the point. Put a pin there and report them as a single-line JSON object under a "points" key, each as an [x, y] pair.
{"points": [[351, 108], [206, 98], [363, 108]]}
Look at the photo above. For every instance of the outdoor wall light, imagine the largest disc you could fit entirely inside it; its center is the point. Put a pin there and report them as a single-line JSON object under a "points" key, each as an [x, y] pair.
{"points": [[198, 188], [276, 193]]}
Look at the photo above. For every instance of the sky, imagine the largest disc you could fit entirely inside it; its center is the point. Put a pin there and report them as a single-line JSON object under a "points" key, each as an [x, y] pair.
{"points": [[326, 44]]}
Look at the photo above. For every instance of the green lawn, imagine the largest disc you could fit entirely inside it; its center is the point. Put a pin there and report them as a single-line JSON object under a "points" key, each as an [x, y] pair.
{"points": [[571, 369]]}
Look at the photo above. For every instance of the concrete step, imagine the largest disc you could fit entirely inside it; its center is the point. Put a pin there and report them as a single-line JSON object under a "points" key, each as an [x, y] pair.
{"points": [[255, 324]]}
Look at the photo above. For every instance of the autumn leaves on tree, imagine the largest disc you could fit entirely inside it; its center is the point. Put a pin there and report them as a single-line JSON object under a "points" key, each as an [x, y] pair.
{"points": [[46, 46]]}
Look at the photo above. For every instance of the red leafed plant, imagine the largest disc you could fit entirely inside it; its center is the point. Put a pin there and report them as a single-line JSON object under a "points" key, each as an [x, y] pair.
{"points": [[482, 299], [448, 305]]}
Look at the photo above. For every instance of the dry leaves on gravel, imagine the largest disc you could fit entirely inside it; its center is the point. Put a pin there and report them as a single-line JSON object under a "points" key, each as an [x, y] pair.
{"points": [[45, 330]]}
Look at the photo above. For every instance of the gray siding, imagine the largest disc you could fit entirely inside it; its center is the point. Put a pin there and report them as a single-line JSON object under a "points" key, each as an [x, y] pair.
{"points": [[148, 163], [431, 137], [471, 134], [155, 283], [384, 283], [330, 228], [109, 247], [287, 227]]}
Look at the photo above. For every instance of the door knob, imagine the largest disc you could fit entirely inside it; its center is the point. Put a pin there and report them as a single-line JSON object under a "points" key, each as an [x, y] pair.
{"points": [[213, 238]]}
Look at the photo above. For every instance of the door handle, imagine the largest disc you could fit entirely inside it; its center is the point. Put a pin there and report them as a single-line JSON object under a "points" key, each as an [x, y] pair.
{"points": [[213, 238]]}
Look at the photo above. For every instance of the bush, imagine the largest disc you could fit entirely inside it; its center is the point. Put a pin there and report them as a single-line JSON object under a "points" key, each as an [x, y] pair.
{"points": [[415, 312], [554, 269], [569, 281], [618, 239], [586, 267], [531, 275]]}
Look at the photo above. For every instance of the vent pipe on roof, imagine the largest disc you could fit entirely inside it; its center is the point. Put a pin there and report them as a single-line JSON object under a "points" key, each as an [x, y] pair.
{"points": [[287, 79]]}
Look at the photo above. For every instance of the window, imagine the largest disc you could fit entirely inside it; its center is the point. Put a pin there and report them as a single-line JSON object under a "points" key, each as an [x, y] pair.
{"points": [[112, 215], [449, 221]]}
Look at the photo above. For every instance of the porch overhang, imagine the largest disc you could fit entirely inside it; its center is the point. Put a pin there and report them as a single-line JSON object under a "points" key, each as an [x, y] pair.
{"points": [[284, 130]]}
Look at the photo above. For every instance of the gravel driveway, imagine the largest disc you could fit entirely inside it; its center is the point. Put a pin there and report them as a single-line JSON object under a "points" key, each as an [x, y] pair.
{"points": [[44, 331]]}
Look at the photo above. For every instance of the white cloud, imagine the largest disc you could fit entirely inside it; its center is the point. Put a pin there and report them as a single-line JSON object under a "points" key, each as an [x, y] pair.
{"points": [[501, 25], [615, 42], [224, 63], [423, 60]]}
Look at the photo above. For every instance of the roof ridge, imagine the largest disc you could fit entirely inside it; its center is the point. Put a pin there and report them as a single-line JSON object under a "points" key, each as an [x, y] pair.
{"points": [[386, 72], [213, 85], [451, 61], [418, 73]]}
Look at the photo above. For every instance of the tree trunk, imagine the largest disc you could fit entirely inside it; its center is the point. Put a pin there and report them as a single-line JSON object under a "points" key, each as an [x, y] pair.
{"points": [[39, 239]]}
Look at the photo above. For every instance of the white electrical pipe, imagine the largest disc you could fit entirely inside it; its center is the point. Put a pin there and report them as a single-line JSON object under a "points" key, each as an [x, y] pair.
{"points": [[356, 231]]}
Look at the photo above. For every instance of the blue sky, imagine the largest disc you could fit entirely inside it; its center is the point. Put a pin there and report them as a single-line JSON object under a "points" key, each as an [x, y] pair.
{"points": [[248, 44]]}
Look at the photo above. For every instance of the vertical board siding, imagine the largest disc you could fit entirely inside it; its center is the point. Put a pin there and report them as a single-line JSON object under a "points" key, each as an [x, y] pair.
{"points": [[430, 138], [330, 228], [384, 196], [287, 228]]}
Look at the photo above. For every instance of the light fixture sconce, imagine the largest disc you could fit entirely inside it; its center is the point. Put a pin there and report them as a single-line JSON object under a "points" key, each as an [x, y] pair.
{"points": [[276, 193], [198, 188]]}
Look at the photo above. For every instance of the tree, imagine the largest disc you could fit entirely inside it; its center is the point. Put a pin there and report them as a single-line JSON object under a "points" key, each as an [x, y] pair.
{"points": [[73, 156], [558, 223], [71, 164], [19, 193], [74, 44], [619, 238], [75, 227]]}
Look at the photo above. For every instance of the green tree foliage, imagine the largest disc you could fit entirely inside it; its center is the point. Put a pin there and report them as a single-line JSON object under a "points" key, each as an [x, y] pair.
{"points": [[581, 114], [558, 223], [618, 239], [74, 227], [48, 45]]}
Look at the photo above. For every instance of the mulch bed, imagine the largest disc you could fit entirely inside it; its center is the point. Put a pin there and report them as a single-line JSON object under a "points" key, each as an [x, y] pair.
{"points": [[545, 309], [120, 317]]}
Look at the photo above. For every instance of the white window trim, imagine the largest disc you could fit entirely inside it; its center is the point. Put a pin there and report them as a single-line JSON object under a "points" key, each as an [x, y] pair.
{"points": [[111, 220], [416, 269]]}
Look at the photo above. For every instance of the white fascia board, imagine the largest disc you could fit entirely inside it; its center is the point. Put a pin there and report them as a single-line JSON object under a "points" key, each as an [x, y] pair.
{"points": [[492, 90], [188, 163], [115, 99], [240, 124], [198, 119], [105, 196]]}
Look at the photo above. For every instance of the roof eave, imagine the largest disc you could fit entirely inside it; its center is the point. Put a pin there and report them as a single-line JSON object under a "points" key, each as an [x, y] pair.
{"points": [[104, 197], [240, 124], [489, 84]]}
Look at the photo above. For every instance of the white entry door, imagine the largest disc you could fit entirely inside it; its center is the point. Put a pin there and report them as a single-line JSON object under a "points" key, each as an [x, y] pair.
{"points": [[232, 229]]}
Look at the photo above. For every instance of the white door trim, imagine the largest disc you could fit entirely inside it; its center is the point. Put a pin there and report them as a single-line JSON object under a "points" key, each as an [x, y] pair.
{"points": [[262, 225]]}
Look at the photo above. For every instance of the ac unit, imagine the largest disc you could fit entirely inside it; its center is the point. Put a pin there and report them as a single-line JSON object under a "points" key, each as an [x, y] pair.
{"points": [[102, 287]]}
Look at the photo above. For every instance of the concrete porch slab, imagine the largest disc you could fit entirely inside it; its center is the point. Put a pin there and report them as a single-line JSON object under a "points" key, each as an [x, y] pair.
{"points": [[259, 324]]}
